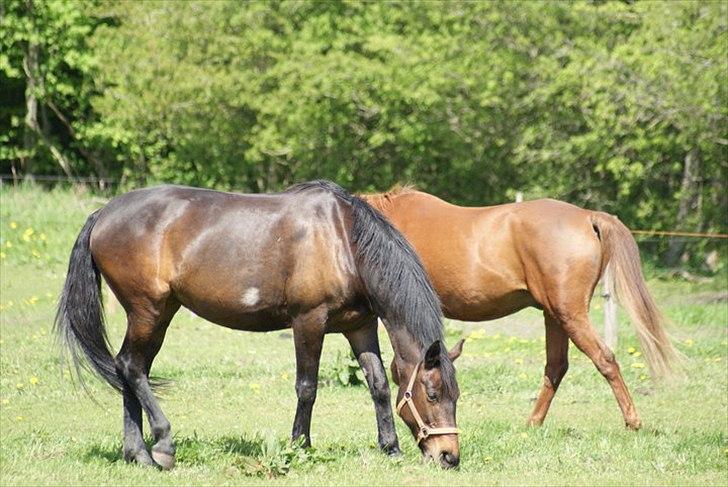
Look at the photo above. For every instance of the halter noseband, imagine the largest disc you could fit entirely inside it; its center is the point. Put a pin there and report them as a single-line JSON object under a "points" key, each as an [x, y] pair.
{"points": [[423, 430]]}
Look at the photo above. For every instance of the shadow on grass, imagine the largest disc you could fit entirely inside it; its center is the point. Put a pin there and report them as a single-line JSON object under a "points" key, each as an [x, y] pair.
{"points": [[194, 450]]}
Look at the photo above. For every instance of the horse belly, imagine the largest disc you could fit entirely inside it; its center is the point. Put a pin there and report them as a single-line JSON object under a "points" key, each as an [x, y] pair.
{"points": [[483, 303], [239, 318]]}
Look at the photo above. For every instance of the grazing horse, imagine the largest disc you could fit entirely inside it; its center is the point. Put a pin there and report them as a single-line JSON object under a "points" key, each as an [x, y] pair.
{"points": [[489, 262], [313, 258]]}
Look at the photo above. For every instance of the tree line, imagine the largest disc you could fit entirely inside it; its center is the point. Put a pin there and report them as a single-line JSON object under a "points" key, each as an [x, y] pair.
{"points": [[612, 105]]}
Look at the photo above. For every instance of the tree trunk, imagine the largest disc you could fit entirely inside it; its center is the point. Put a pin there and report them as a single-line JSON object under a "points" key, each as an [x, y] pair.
{"points": [[31, 130], [690, 203], [34, 85]]}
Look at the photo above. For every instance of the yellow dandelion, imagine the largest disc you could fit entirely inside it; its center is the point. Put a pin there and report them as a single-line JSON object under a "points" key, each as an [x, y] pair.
{"points": [[489, 459], [637, 354], [644, 377], [631, 350], [36, 254], [13, 225], [717, 359], [524, 435], [519, 361], [9, 244], [33, 380], [689, 342], [19, 386], [254, 387], [638, 365], [2, 255], [284, 376], [475, 335], [18, 418], [6, 402], [43, 237], [522, 375]]}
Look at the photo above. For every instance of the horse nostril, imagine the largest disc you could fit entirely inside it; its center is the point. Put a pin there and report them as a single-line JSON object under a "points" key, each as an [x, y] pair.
{"points": [[450, 459]]}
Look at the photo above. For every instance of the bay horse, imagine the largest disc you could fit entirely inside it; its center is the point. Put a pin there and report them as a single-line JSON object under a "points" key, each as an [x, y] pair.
{"points": [[314, 258], [489, 262]]}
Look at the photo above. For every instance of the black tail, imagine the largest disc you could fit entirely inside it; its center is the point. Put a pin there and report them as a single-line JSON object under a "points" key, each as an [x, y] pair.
{"points": [[395, 280], [80, 318]]}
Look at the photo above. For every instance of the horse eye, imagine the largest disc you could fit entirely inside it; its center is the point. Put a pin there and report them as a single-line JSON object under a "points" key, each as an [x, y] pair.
{"points": [[431, 396]]}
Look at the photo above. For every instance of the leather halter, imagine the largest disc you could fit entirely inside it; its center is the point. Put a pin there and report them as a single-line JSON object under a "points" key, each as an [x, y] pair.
{"points": [[423, 430]]}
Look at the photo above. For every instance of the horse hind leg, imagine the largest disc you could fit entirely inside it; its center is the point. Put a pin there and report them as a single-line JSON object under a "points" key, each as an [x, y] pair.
{"points": [[557, 364], [145, 334], [587, 340]]}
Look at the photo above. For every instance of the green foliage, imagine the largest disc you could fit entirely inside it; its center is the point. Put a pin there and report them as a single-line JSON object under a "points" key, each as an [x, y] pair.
{"points": [[597, 103], [344, 370], [277, 457]]}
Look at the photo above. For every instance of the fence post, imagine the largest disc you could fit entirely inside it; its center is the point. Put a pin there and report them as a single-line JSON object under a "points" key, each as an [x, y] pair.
{"points": [[610, 310]]}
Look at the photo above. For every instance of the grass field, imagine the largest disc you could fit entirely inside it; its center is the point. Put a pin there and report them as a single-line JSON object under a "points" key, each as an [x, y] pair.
{"points": [[232, 399]]}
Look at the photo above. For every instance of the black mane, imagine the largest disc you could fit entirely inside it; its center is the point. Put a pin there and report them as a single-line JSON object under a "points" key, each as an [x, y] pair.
{"points": [[398, 286]]}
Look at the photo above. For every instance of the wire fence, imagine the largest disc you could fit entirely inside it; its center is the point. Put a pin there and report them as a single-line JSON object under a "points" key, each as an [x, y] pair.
{"points": [[643, 235]]}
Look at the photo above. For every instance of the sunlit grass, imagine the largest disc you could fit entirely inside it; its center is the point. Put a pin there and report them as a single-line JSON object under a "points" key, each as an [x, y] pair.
{"points": [[232, 395]]}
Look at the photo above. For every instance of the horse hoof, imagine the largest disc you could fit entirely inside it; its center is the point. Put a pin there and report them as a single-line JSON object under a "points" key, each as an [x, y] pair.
{"points": [[634, 425], [164, 460], [393, 451]]}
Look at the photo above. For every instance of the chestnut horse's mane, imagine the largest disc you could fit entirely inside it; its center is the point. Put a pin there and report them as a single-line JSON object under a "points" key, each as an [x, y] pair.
{"points": [[381, 201]]}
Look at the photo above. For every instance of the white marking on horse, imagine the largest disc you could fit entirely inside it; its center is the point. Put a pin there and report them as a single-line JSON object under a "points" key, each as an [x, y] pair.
{"points": [[251, 296]]}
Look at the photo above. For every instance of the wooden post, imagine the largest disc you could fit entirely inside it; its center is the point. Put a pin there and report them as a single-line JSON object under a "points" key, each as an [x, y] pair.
{"points": [[610, 310]]}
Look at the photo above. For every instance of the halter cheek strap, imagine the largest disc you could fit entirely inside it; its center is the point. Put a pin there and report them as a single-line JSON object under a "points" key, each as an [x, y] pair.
{"points": [[423, 430]]}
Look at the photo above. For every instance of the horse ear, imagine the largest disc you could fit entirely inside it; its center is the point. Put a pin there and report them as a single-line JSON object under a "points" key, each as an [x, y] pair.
{"points": [[395, 371], [456, 350], [432, 356]]}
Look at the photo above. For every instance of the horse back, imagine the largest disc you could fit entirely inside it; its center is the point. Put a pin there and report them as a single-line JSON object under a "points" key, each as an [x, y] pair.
{"points": [[247, 261], [488, 262]]}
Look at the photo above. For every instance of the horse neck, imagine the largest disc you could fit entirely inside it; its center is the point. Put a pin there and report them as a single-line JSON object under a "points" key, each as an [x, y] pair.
{"points": [[407, 350]]}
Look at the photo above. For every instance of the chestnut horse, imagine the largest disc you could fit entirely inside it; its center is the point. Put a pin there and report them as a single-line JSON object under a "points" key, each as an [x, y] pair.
{"points": [[314, 258], [489, 262]]}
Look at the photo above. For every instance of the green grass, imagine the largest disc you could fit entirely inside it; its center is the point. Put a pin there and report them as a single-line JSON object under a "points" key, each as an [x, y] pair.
{"points": [[232, 398]]}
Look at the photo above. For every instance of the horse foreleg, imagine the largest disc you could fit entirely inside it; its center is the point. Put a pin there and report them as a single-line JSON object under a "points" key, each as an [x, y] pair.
{"points": [[557, 364], [365, 345], [588, 341], [308, 338]]}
